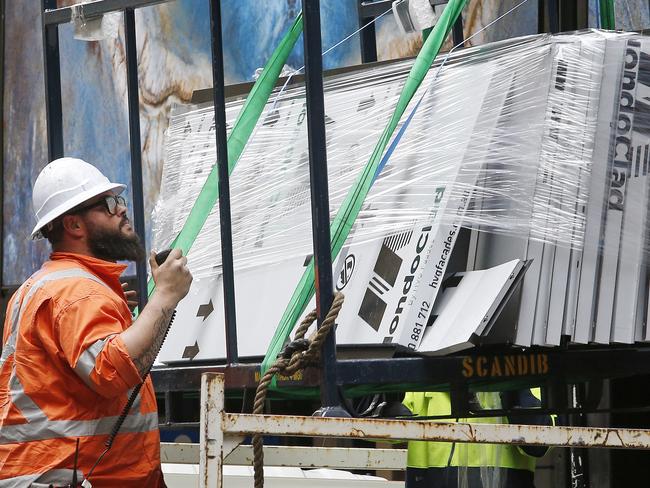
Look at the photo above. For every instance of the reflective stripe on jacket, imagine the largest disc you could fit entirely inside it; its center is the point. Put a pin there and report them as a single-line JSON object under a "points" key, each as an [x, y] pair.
{"points": [[422, 454], [65, 374]]}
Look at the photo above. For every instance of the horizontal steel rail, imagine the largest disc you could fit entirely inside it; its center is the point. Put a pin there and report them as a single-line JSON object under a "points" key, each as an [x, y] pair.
{"points": [[220, 431], [296, 456], [95, 9], [535, 366], [374, 8], [413, 430]]}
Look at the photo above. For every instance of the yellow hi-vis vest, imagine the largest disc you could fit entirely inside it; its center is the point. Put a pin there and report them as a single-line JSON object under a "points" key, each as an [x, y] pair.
{"points": [[426, 454]]}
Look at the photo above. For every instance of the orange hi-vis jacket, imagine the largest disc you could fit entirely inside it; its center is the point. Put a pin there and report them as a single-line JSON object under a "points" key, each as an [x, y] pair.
{"points": [[65, 374]]}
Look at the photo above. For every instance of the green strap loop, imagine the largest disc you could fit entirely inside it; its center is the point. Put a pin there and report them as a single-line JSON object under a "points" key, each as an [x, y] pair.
{"points": [[607, 15], [351, 206]]}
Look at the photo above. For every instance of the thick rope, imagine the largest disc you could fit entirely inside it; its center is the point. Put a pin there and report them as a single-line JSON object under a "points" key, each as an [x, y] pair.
{"points": [[297, 355]]}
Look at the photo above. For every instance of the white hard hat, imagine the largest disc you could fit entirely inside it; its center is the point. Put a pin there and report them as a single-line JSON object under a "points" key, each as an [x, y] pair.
{"points": [[62, 185]]}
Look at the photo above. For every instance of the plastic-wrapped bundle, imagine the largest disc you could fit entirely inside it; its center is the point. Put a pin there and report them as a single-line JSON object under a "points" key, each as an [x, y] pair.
{"points": [[486, 104], [597, 293], [504, 141], [270, 185]]}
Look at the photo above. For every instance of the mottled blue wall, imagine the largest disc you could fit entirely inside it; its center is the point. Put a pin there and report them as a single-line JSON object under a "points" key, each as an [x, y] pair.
{"points": [[174, 60], [24, 136], [174, 55], [630, 14]]}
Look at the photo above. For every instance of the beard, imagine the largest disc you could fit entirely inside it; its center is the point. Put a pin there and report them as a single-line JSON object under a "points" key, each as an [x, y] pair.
{"points": [[114, 245]]}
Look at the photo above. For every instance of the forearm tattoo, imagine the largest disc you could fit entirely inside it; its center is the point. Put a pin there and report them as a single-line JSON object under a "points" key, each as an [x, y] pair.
{"points": [[144, 361]]}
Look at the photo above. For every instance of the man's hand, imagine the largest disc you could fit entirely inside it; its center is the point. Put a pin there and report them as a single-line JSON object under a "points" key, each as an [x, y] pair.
{"points": [[172, 278], [145, 336], [131, 296]]}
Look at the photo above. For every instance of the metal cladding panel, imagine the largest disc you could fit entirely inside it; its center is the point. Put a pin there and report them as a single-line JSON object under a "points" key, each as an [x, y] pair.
{"points": [[514, 141]]}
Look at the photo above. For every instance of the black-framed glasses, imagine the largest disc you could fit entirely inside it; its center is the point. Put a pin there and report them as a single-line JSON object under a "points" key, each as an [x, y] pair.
{"points": [[109, 202]]}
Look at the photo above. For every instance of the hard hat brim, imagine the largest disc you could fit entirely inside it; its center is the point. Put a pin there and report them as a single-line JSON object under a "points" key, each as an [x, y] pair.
{"points": [[117, 188]]}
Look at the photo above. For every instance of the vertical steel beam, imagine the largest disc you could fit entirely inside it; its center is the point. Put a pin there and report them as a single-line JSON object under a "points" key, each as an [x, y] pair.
{"points": [[578, 456], [211, 433], [218, 88], [367, 37], [133, 95], [583, 14], [457, 31], [2, 138], [52, 78], [553, 7], [319, 193], [568, 12], [169, 415]]}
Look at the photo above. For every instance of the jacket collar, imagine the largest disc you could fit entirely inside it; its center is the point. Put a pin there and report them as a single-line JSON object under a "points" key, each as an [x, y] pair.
{"points": [[107, 271]]}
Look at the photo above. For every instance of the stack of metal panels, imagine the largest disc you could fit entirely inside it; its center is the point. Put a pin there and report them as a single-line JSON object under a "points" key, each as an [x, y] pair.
{"points": [[538, 145], [597, 292]]}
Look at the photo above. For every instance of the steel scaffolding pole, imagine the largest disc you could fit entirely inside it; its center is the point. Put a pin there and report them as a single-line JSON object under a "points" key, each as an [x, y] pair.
{"points": [[227, 266], [319, 194], [135, 144], [52, 78]]}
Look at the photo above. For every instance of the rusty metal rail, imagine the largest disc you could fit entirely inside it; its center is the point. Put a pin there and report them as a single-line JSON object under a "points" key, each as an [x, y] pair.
{"points": [[374, 429], [222, 432], [295, 456]]}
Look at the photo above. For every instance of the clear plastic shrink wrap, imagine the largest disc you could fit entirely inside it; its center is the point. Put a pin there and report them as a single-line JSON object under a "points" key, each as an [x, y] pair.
{"points": [[537, 144]]}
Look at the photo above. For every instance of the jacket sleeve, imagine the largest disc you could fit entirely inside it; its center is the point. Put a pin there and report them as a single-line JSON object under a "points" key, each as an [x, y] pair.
{"points": [[87, 331]]}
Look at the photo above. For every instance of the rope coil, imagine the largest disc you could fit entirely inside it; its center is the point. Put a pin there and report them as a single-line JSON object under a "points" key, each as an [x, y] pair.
{"points": [[297, 355]]}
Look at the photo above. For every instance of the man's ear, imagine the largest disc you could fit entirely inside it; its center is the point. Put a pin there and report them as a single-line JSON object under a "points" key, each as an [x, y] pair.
{"points": [[74, 225]]}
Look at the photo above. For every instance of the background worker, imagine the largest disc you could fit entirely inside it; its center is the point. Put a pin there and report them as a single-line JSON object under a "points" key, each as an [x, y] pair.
{"points": [[472, 465], [71, 353]]}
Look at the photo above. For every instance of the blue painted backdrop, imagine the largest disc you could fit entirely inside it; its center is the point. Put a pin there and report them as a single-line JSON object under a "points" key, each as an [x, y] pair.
{"points": [[174, 59], [174, 56]]}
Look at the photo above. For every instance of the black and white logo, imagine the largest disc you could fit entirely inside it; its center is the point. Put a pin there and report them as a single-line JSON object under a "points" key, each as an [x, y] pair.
{"points": [[384, 276], [346, 273]]}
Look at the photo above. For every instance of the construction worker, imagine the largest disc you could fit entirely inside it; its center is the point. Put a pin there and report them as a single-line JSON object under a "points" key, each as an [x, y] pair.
{"points": [[71, 353], [455, 465]]}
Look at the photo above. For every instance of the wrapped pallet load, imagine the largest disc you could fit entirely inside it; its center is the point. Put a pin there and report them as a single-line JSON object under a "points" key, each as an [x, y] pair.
{"points": [[537, 146]]}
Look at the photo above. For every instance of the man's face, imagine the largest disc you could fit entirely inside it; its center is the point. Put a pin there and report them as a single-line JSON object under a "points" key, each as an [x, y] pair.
{"points": [[110, 234]]}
